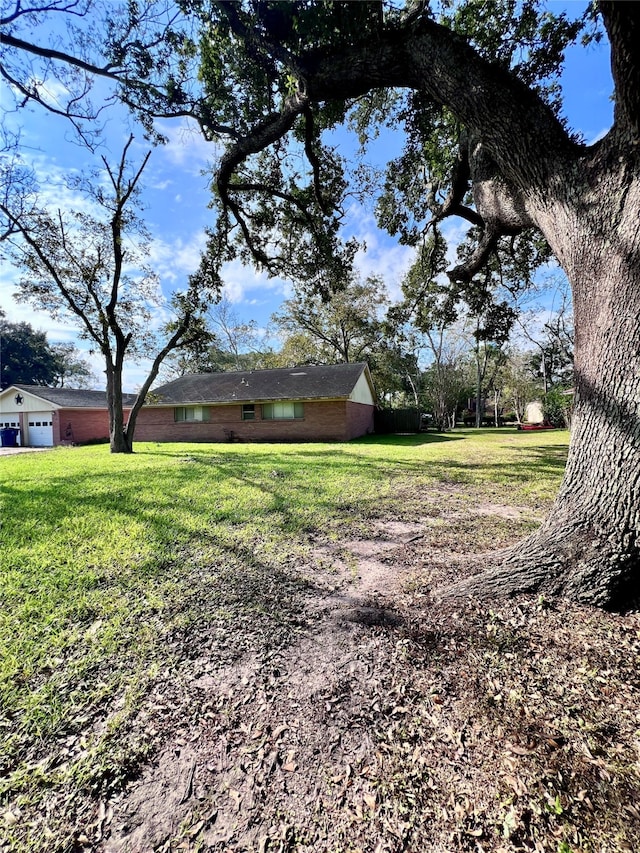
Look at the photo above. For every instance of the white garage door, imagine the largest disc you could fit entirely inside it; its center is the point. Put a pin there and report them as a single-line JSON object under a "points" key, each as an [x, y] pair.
{"points": [[40, 429]]}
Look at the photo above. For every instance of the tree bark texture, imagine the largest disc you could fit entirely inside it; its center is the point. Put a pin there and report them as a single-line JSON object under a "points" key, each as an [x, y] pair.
{"points": [[588, 548], [118, 439]]}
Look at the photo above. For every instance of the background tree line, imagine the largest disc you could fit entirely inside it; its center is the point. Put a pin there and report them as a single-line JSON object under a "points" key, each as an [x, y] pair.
{"points": [[434, 360], [425, 351], [28, 358]]}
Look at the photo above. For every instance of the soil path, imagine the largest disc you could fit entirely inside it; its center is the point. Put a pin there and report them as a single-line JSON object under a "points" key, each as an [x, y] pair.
{"points": [[279, 734]]}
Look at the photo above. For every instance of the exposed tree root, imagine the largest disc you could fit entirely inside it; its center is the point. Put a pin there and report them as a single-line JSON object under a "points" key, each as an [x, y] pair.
{"points": [[580, 567]]}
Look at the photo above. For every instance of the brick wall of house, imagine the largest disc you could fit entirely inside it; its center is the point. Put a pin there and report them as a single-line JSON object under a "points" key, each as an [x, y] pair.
{"points": [[76, 426], [359, 419], [336, 420], [55, 419]]}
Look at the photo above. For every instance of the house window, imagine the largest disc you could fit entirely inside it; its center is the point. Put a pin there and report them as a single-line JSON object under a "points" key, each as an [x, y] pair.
{"points": [[282, 411], [248, 412], [191, 413]]}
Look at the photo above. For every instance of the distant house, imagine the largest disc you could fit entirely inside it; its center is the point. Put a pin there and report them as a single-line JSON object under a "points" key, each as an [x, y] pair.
{"points": [[47, 417], [330, 403]]}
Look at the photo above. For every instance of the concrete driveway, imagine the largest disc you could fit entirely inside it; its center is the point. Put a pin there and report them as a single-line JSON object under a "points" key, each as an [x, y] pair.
{"points": [[11, 451]]}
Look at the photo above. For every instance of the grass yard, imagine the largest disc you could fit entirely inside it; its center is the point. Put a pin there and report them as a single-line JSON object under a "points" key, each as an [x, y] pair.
{"points": [[121, 574]]}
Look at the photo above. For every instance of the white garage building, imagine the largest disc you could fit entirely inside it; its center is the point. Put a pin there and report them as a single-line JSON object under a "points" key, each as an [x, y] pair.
{"points": [[47, 417]]}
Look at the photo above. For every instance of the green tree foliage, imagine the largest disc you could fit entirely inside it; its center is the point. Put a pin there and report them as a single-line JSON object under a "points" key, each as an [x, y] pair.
{"points": [[446, 387], [72, 370], [557, 407], [231, 344], [253, 75], [350, 323], [395, 371], [434, 307], [256, 58], [553, 360], [54, 53], [423, 321], [25, 356], [295, 349], [346, 325], [517, 383]]}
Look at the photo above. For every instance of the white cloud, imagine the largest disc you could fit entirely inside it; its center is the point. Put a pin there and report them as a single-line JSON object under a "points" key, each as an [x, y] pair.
{"points": [[134, 375], [241, 281], [20, 312], [53, 190], [386, 257], [599, 135], [390, 263], [454, 231], [382, 256], [175, 260], [186, 148], [51, 92]]}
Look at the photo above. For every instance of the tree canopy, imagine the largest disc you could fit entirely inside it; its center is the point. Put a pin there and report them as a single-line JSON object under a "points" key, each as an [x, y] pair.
{"points": [[25, 355], [346, 326], [272, 82]]}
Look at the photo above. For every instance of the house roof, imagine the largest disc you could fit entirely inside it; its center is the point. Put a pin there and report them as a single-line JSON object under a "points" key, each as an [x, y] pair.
{"points": [[314, 382], [72, 398]]}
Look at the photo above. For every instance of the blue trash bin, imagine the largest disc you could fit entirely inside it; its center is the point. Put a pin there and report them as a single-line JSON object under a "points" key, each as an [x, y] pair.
{"points": [[9, 437]]}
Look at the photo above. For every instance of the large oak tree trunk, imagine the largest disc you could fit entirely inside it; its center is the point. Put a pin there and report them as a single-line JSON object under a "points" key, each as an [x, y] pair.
{"points": [[588, 548]]}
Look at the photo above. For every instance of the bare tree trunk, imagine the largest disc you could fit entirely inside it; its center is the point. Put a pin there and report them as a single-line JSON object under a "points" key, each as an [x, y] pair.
{"points": [[117, 438], [479, 373], [176, 340], [588, 547]]}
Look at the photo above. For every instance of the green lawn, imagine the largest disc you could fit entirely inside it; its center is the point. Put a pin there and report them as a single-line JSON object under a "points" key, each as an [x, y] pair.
{"points": [[106, 561]]}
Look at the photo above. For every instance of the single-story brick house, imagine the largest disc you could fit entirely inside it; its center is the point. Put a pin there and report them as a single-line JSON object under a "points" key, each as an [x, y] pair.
{"points": [[47, 417], [328, 403]]}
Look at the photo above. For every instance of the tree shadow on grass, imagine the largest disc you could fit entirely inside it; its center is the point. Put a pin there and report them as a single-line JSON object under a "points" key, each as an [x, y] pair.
{"points": [[407, 440], [299, 484]]}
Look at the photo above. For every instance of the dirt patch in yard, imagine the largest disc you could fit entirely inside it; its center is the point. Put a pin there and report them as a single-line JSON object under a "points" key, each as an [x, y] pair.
{"points": [[387, 722], [276, 728]]}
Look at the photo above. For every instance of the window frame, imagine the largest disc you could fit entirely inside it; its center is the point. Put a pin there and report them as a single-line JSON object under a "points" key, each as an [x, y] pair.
{"points": [[201, 414], [269, 411]]}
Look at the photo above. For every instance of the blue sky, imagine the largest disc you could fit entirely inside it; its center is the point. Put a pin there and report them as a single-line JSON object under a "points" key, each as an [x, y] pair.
{"points": [[176, 197]]}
